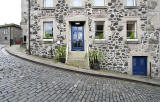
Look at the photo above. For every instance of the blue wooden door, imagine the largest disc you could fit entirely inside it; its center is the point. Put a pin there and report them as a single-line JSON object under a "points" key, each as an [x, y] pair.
{"points": [[77, 38], [140, 66]]}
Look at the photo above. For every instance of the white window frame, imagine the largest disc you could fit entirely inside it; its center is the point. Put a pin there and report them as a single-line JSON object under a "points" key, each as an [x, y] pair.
{"points": [[44, 29], [45, 5], [96, 28], [99, 5], [133, 3], [135, 30], [76, 1]]}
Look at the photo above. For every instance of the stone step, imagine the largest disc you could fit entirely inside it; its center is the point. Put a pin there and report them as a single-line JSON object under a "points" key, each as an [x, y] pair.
{"points": [[76, 55], [79, 63], [78, 59]]}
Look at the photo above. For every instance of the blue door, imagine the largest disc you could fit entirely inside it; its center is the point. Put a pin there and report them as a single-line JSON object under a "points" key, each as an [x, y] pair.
{"points": [[140, 66], [77, 37]]}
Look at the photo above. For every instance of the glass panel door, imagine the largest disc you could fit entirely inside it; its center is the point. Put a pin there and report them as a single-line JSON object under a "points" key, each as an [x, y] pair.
{"points": [[77, 36]]}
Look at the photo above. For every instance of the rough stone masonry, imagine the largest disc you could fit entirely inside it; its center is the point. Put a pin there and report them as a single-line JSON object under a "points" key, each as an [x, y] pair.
{"points": [[117, 49]]}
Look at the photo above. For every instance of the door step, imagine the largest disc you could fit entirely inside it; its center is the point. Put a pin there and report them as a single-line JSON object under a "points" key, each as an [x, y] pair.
{"points": [[78, 59]]}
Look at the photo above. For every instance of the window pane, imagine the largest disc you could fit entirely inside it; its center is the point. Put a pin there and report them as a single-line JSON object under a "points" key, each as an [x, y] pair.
{"points": [[48, 3], [130, 2], [99, 30], [131, 29], [48, 29], [100, 27], [79, 43], [74, 35], [75, 44], [77, 3], [98, 2], [74, 28], [80, 35], [80, 28]]}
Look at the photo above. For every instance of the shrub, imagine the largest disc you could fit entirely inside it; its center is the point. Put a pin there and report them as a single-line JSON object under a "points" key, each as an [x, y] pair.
{"points": [[95, 56], [61, 52]]}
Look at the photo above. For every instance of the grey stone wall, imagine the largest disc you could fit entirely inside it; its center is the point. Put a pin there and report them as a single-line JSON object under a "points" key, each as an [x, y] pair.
{"points": [[117, 51], [16, 34], [115, 47], [24, 18], [5, 33], [10, 32]]}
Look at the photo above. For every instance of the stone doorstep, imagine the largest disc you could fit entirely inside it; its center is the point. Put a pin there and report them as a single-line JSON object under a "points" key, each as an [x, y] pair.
{"points": [[85, 71], [77, 59], [78, 63]]}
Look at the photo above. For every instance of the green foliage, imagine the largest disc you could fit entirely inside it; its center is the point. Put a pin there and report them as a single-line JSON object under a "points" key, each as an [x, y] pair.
{"points": [[101, 36], [48, 36], [132, 36], [95, 56], [61, 52]]}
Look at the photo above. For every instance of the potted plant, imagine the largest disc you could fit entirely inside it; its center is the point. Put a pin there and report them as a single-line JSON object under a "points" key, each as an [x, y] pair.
{"points": [[61, 54], [101, 36], [132, 36], [48, 36], [95, 57]]}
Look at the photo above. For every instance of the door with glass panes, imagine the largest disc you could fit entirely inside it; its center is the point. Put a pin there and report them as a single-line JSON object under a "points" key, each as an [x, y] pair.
{"points": [[77, 36]]}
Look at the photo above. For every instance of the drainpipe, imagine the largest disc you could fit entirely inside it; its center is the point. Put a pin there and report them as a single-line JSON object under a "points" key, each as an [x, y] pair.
{"points": [[10, 35], [150, 70], [159, 49], [29, 8]]}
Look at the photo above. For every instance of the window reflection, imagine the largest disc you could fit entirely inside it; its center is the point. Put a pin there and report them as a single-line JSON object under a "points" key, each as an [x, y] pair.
{"points": [[74, 28], [48, 3], [98, 2], [75, 36], [79, 35], [80, 28], [77, 3], [48, 27]]}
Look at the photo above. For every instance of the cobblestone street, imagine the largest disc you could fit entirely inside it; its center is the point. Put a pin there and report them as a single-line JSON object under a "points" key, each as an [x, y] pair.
{"points": [[22, 81]]}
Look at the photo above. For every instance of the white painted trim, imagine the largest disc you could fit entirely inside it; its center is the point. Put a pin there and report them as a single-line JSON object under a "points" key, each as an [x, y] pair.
{"points": [[132, 40], [41, 32], [138, 23], [135, 29], [105, 29], [100, 39], [47, 39]]}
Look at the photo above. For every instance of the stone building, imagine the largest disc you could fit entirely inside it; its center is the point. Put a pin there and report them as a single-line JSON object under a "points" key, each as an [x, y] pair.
{"points": [[10, 34], [125, 31], [24, 13]]}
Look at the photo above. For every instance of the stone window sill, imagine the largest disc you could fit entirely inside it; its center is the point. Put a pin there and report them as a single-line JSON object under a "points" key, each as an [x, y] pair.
{"points": [[100, 41], [132, 41], [48, 8], [48, 40], [77, 7], [131, 7], [99, 7]]}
